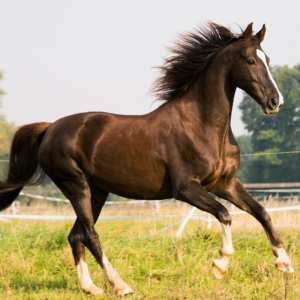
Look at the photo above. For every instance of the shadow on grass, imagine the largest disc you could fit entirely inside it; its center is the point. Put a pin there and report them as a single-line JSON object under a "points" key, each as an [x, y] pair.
{"points": [[34, 285]]}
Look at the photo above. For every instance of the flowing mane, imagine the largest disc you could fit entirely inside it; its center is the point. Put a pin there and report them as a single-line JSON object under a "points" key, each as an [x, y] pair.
{"points": [[188, 57]]}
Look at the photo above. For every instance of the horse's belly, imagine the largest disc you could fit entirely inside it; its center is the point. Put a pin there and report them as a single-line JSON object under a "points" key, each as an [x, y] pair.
{"points": [[134, 181]]}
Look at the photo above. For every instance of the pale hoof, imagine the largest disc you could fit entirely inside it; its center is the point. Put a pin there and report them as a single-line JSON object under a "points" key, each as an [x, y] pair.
{"points": [[218, 269], [99, 293], [124, 291], [94, 290], [284, 266]]}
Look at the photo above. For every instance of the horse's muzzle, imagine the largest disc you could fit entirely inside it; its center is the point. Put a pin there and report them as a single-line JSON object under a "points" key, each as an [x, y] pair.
{"points": [[272, 106]]}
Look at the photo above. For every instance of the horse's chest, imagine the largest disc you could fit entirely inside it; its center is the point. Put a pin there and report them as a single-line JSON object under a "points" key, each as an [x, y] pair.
{"points": [[224, 166], [217, 168]]}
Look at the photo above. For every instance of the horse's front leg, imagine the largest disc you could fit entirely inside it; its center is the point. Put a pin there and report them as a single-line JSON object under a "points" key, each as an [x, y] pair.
{"points": [[194, 194], [238, 195]]}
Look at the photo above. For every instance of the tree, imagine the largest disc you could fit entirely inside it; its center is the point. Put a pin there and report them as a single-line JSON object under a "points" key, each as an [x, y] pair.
{"points": [[6, 134], [275, 133]]}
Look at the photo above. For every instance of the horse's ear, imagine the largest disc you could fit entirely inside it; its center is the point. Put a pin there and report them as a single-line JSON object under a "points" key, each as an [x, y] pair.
{"points": [[261, 34], [248, 32]]}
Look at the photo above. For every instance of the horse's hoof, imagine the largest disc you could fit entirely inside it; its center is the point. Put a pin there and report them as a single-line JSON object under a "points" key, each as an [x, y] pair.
{"points": [[94, 291], [124, 291], [217, 269], [99, 293], [284, 267]]}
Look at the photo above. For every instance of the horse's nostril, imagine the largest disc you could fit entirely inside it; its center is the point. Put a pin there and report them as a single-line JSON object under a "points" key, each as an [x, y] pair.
{"points": [[273, 103]]}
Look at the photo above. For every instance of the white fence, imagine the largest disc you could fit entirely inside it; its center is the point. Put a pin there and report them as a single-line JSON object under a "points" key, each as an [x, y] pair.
{"points": [[184, 220]]}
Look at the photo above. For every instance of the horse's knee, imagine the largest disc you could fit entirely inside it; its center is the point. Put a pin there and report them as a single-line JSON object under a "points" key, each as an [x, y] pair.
{"points": [[262, 215], [224, 217]]}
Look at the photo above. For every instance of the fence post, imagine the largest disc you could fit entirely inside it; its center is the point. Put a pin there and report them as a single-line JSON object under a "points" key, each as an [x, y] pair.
{"points": [[157, 206], [209, 222], [185, 221], [232, 207], [13, 208]]}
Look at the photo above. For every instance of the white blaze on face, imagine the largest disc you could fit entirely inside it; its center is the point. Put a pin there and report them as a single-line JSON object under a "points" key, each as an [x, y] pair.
{"points": [[262, 56]]}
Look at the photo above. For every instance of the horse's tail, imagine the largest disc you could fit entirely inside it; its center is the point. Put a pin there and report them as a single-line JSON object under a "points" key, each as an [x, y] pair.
{"points": [[23, 163]]}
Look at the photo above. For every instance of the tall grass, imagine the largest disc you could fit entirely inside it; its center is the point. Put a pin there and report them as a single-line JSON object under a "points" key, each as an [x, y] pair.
{"points": [[156, 267]]}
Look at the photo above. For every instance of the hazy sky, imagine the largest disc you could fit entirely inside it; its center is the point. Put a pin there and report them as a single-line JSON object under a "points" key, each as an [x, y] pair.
{"points": [[68, 56]]}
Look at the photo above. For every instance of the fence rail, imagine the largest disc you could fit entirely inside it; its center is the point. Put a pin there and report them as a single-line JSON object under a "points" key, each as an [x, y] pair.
{"points": [[272, 185], [183, 221], [279, 185]]}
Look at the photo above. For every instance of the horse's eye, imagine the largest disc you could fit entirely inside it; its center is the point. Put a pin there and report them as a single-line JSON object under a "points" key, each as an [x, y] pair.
{"points": [[251, 62]]}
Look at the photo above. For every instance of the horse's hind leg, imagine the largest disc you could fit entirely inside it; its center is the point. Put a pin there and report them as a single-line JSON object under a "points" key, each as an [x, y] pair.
{"points": [[114, 278], [78, 249], [87, 204]]}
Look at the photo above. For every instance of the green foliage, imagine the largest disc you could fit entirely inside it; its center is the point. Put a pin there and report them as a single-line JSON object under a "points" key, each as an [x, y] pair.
{"points": [[6, 133], [275, 133]]}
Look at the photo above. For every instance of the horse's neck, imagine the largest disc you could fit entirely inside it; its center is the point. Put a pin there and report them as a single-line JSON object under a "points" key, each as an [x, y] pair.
{"points": [[209, 102]]}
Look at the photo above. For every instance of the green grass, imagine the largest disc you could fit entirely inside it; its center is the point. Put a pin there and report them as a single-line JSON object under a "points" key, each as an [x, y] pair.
{"points": [[157, 267]]}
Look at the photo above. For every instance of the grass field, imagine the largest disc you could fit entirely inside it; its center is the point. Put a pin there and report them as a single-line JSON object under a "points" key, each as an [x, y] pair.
{"points": [[36, 261]]}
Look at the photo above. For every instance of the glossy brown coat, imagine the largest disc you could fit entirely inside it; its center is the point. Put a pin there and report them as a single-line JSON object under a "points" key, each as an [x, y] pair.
{"points": [[184, 149]]}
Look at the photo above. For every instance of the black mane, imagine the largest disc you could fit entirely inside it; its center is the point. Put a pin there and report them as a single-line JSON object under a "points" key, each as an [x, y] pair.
{"points": [[188, 58]]}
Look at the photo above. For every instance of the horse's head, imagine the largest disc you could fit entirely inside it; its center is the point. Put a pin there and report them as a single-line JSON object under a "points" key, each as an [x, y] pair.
{"points": [[250, 71]]}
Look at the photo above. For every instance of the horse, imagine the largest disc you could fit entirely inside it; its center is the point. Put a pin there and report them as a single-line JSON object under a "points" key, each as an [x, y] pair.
{"points": [[184, 149]]}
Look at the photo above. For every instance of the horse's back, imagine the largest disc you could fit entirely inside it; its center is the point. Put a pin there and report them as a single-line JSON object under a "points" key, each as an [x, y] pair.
{"points": [[61, 137]]}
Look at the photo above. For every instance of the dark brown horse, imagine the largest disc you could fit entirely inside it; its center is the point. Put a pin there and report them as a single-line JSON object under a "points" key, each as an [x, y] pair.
{"points": [[184, 149]]}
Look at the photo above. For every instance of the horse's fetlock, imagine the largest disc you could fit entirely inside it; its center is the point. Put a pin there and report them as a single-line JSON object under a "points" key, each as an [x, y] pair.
{"points": [[226, 251], [224, 217]]}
